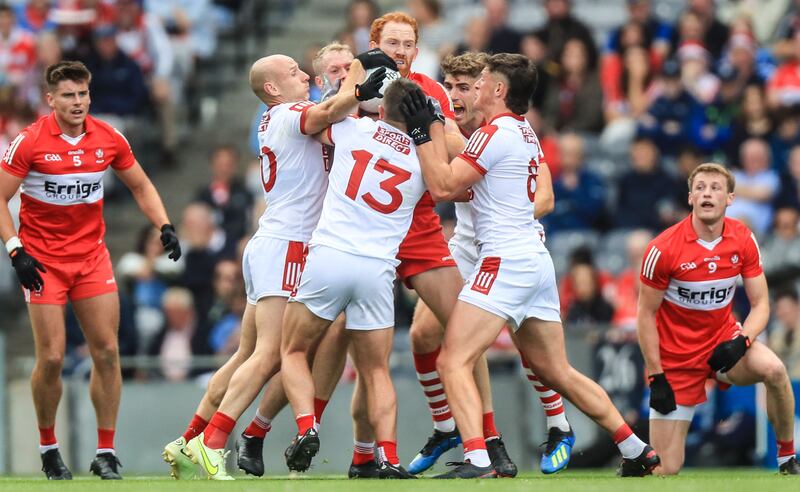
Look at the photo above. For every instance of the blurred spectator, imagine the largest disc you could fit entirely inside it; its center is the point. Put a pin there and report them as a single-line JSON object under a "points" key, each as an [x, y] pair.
{"points": [[588, 307], [756, 186], [574, 100], [630, 98], [360, 14], [144, 274], [190, 26], [227, 194], [740, 55], [502, 39], [34, 16], [765, 17], [142, 36], [696, 75], [174, 344], [476, 37], [33, 89], [17, 49], [579, 193], [687, 160], [785, 46], [785, 136], [753, 121], [783, 89], [710, 124], [624, 291], [705, 27], [225, 315], [117, 86], [435, 34], [784, 331], [548, 140], [560, 27], [647, 196], [656, 33], [789, 193], [666, 120], [204, 246], [581, 255], [780, 251]]}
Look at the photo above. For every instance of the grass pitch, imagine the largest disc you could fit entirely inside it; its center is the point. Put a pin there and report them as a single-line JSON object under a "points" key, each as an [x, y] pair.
{"points": [[727, 480]]}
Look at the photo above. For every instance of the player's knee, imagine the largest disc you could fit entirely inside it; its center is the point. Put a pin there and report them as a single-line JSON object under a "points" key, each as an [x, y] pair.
{"points": [[449, 362], [269, 364], [106, 355], [425, 337], [51, 363], [775, 373]]}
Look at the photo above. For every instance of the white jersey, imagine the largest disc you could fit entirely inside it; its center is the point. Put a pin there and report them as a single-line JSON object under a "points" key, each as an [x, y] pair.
{"points": [[374, 186], [294, 171], [507, 153], [465, 228]]}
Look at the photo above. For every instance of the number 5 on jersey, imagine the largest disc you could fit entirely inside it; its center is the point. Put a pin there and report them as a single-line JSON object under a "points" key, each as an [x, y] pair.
{"points": [[389, 185]]}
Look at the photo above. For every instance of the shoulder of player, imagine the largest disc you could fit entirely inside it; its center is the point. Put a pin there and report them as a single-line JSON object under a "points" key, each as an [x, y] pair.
{"points": [[429, 86], [667, 243], [737, 229]]}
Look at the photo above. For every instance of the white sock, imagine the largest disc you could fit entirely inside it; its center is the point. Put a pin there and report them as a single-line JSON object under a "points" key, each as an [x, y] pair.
{"points": [[781, 459], [478, 457], [631, 447], [44, 449], [448, 425], [106, 450], [559, 421], [364, 447]]}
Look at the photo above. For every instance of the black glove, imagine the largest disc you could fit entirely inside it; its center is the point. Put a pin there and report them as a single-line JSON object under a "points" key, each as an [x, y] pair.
{"points": [[371, 88], [170, 241], [662, 399], [26, 265], [376, 58], [727, 354], [437, 108], [419, 114]]}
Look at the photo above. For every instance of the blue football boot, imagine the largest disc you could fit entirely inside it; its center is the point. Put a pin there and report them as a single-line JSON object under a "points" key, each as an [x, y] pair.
{"points": [[438, 444], [557, 451]]}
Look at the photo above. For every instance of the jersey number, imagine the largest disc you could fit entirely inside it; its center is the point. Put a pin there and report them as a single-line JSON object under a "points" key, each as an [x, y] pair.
{"points": [[389, 185], [533, 172], [268, 183]]}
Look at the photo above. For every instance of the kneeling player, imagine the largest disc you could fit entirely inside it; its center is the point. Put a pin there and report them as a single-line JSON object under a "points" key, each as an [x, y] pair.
{"points": [[694, 266]]}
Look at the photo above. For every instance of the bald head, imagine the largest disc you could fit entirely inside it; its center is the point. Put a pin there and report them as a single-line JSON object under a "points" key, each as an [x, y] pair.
{"points": [[268, 74]]}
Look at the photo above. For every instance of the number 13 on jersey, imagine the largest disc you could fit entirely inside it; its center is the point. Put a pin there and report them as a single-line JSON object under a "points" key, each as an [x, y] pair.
{"points": [[389, 185]]}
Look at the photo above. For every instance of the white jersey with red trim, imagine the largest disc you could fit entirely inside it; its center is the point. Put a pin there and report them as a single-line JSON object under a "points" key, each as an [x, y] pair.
{"points": [[699, 280], [507, 153], [465, 228], [294, 173], [374, 186]]}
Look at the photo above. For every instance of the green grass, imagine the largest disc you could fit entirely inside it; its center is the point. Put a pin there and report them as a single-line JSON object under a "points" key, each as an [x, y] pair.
{"points": [[727, 480]]}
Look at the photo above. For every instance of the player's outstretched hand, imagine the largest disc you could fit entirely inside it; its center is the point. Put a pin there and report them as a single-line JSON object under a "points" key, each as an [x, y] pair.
{"points": [[376, 58], [26, 267], [371, 88], [419, 113], [662, 398], [170, 241], [728, 353]]}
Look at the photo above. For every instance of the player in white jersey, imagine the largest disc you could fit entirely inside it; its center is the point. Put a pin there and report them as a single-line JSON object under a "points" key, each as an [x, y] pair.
{"points": [[374, 186], [514, 281], [460, 74], [293, 172]]}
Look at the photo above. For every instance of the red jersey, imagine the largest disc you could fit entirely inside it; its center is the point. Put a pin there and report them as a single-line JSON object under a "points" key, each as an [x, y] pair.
{"points": [[61, 216], [699, 279]]}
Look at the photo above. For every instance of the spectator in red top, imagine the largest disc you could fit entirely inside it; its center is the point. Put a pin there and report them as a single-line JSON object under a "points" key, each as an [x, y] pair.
{"points": [[33, 16], [783, 88], [624, 290], [17, 49], [574, 100]]}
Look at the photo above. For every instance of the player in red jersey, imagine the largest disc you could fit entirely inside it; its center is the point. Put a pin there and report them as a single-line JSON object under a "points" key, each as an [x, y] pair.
{"points": [[687, 331], [60, 254], [426, 263]]}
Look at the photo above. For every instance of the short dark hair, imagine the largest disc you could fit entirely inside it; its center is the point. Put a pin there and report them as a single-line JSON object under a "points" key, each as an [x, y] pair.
{"points": [[786, 291], [66, 70], [522, 77], [393, 96], [469, 64]]}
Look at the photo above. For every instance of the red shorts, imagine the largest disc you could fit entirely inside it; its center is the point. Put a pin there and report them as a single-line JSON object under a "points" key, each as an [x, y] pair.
{"points": [[74, 280], [689, 383], [424, 247]]}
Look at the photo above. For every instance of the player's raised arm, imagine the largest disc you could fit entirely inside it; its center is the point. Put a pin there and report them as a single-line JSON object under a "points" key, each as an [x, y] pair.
{"points": [[545, 200], [151, 205], [445, 181]]}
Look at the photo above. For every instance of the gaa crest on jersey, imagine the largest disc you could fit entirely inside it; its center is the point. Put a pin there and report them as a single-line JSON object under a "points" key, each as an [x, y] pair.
{"points": [[98, 153], [735, 259]]}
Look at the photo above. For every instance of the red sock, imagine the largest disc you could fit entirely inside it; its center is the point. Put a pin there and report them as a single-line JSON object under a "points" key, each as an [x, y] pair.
{"points": [[105, 438], [47, 436], [489, 430], [363, 452], [387, 450], [428, 376], [196, 426], [474, 444], [319, 407], [304, 422], [258, 428], [622, 433], [219, 428], [785, 448]]}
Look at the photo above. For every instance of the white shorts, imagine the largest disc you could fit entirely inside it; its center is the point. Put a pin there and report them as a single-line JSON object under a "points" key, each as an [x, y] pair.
{"points": [[682, 412], [515, 288], [465, 253], [271, 267], [334, 281]]}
